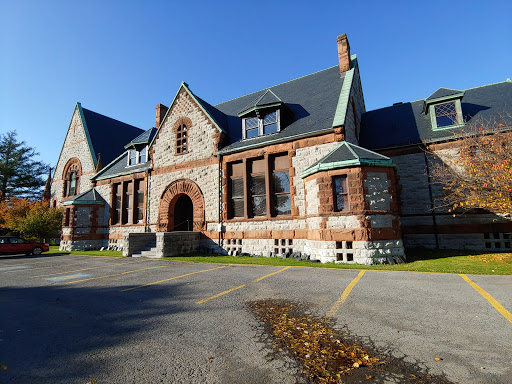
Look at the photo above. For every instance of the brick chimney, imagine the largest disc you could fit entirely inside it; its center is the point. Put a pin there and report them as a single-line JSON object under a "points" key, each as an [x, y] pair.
{"points": [[161, 110], [343, 53]]}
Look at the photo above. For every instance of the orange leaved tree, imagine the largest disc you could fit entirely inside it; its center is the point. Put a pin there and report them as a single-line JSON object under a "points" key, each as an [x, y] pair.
{"points": [[478, 174]]}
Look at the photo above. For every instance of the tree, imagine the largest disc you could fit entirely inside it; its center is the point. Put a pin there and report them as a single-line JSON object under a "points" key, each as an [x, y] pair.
{"points": [[30, 218], [479, 173], [20, 175]]}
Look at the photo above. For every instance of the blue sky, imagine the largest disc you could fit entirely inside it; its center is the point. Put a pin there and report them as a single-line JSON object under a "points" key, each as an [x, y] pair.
{"points": [[121, 58]]}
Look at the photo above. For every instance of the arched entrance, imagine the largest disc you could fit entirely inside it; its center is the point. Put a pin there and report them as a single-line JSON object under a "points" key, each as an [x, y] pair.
{"points": [[182, 201], [183, 214]]}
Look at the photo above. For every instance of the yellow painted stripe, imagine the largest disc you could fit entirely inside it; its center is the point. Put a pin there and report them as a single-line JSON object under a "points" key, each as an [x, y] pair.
{"points": [[489, 298], [86, 269], [116, 274], [345, 294], [271, 274], [172, 278], [219, 294]]}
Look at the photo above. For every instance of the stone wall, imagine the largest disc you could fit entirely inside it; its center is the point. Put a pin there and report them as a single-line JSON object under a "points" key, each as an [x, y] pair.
{"points": [[136, 242], [176, 243]]}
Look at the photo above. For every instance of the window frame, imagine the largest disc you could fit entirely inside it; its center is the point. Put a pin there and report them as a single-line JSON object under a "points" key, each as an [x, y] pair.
{"points": [[458, 113], [261, 125], [137, 156], [345, 193], [178, 148]]}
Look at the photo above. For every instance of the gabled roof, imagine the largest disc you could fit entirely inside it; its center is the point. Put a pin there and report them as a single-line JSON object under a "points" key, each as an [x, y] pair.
{"points": [[88, 197], [107, 136], [407, 124], [443, 92], [314, 101], [348, 155], [143, 138], [266, 99], [120, 167]]}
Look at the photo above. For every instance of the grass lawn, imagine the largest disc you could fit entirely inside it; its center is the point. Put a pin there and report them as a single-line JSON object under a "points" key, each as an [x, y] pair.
{"points": [[419, 260]]}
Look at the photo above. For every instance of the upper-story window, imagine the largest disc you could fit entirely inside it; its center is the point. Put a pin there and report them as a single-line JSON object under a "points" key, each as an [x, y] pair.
{"points": [[72, 172], [263, 124], [137, 157], [446, 114], [182, 139]]}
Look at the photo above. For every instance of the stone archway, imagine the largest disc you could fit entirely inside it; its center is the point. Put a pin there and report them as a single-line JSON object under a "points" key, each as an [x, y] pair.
{"points": [[168, 202]]}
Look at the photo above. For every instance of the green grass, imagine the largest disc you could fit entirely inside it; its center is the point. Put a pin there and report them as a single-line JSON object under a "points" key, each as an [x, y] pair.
{"points": [[419, 260], [55, 250]]}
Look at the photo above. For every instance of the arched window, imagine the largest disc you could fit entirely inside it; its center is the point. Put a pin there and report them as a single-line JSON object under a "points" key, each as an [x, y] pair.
{"points": [[72, 173], [181, 139]]}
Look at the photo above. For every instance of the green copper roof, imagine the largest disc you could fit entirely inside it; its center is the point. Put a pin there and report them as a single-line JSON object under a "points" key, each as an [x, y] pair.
{"points": [[348, 155], [88, 197]]}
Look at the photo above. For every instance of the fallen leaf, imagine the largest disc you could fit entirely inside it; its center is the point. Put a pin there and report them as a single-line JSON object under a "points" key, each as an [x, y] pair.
{"points": [[438, 359]]}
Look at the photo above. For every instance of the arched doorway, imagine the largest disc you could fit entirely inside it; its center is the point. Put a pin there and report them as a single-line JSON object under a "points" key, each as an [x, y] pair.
{"points": [[182, 198], [183, 214]]}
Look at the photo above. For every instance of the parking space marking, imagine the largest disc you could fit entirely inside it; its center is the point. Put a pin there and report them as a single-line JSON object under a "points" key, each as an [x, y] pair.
{"points": [[344, 295], [240, 286], [67, 277], [271, 274], [172, 278], [116, 274], [219, 294], [52, 266], [14, 268], [489, 298], [86, 269]]}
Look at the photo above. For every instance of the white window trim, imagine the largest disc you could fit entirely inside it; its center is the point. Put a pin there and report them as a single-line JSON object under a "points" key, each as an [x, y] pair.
{"points": [[137, 157], [458, 109], [260, 125]]}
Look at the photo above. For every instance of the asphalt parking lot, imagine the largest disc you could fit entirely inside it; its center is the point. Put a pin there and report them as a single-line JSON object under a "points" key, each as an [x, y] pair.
{"points": [[76, 319]]}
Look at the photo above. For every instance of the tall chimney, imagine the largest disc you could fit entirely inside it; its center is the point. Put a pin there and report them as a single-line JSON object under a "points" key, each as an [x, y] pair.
{"points": [[343, 53], [161, 110]]}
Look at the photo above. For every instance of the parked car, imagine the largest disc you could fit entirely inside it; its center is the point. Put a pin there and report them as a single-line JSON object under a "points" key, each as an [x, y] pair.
{"points": [[14, 244]]}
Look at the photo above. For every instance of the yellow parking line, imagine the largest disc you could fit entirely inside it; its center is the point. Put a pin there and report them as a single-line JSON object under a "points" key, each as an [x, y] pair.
{"points": [[172, 278], [86, 269], [489, 298], [345, 294], [270, 274], [219, 294], [116, 274]]}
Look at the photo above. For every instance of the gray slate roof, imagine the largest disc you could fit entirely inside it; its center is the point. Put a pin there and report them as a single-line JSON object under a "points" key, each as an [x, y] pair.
{"points": [[108, 136], [443, 92], [120, 167], [88, 197], [407, 124], [347, 155], [312, 99], [143, 138]]}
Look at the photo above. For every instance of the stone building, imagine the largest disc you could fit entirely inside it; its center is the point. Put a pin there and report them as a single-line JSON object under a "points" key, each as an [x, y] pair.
{"points": [[299, 168]]}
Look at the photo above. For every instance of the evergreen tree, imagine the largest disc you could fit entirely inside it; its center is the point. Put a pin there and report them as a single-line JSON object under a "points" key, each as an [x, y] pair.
{"points": [[20, 175]]}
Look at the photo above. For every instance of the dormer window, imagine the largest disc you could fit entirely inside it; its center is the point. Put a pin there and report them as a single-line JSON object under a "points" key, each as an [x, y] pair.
{"points": [[137, 157], [444, 107], [263, 124], [446, 114]]}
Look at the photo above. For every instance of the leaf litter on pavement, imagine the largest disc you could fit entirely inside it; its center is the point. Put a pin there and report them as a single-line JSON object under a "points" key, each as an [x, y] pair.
{"points": [[325, 354]]}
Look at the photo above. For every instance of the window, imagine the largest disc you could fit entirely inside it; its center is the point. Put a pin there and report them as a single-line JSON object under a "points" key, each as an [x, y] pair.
{"points": [[341, 202], [258, 188], [71, 182], [266, 183], [446, 114], [237, 189], [137, 157], [128, 202], [281, 186], [262, 125], [139, 201], [67, 215], [181, 140]]}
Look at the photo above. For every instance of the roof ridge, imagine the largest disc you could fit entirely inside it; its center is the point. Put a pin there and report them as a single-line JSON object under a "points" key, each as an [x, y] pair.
{"points": [[275, 85]]}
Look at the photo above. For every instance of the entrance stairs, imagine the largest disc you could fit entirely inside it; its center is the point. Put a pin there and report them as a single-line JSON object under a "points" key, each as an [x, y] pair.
{"points": [[148, 251]]}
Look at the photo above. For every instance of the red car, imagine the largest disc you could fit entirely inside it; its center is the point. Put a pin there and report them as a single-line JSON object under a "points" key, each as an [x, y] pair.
{"points": [[13, 245]]}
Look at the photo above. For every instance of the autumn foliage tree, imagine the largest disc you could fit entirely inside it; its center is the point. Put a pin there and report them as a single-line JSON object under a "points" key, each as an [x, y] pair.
{"points": [[32, 219], [479, 173]]}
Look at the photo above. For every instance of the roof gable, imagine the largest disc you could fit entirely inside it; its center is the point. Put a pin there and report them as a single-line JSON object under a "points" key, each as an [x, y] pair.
{"points": [[88, 197], [443, 92]]}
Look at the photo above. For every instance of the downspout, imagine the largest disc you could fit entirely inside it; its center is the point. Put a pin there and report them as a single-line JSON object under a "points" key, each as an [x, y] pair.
{"points": [[147, 227], [434, 222], [219, 226]]}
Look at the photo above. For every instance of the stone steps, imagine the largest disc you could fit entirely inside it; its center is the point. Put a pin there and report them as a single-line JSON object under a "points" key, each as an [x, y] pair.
{"points": [[148, 251]]}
